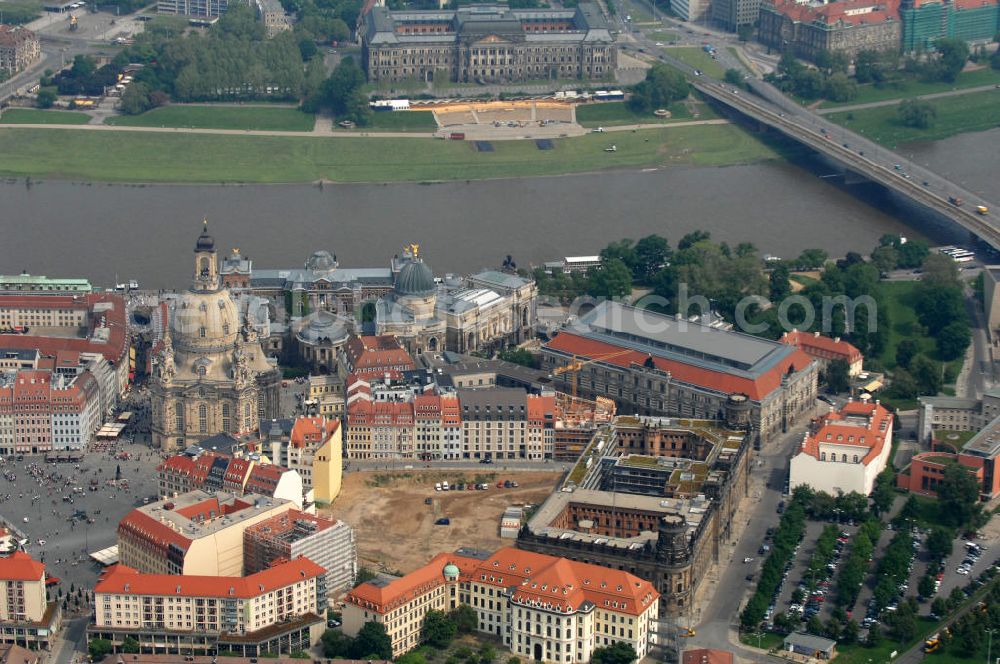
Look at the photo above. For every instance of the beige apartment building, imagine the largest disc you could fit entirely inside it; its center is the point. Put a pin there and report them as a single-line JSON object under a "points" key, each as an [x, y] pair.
{"points": [[313, 447], [26, 618], [277, 610], [543, 607], [194, 533]]}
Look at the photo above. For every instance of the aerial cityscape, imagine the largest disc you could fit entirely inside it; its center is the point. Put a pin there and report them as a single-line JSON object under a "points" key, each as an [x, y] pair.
{"points": [[499, 331]]}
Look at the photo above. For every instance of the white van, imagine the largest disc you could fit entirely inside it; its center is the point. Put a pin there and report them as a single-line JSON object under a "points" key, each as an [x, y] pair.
{"points": [[444, 486], [437, 486]]}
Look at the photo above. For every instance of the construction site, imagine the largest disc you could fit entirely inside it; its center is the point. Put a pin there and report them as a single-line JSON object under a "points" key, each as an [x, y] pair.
{"points": [[388, 508]]}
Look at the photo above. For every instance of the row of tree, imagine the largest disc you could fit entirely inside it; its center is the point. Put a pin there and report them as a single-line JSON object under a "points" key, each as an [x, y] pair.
{"points": [[784, 542], [852, 574]]}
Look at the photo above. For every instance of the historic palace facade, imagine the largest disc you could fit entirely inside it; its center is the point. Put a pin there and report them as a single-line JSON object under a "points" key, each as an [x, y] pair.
{"points": [[488, 43]]}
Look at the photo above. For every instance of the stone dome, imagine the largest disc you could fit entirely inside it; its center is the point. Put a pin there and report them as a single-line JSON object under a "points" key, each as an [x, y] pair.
{"points": [[321, 261], [324, 327], [205, 241], [204, 322], [415, 279]]}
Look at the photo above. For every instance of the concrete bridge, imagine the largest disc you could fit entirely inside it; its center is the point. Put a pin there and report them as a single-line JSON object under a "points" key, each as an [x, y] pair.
{"points": [[769, 107]]}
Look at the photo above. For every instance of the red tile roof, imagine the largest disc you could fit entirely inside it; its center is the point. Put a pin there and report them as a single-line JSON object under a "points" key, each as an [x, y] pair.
{"points": [[725, 383], [19, 566], [539, 578], [120, 579], [312, 430], [851, 12], [111, 316], [373, 356], [833, 428], [808, 341]]}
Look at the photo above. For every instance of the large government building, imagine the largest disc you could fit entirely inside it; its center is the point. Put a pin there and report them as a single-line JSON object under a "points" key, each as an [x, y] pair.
{"points": [[488, 43], [651, 364], [211, 373]]}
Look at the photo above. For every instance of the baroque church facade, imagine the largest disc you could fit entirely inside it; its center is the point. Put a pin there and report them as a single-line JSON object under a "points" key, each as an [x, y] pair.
{"points": [[211, 374]]}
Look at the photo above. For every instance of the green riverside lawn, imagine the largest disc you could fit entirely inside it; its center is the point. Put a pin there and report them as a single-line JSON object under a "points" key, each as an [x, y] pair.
{"points": [[613, 113], [912, 87], [698, 58], [36, 116], [254, 118], [976, 111], [178, 157]]}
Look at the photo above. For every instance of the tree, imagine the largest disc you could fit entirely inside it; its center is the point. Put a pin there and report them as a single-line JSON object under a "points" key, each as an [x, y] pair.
{"points": [[952, 56], [837, 376], [885, 258], [437, 629], [940, 542], [874, 636], [465, 618], [810, 259], [99, 649], [612, 279], [905, 352], [840, 88], [651, 254], [926, 586], [884, 493], [487, 653], [850, 633], [336, 645], [939, 607], [912, 254], [372, 640], [135, 99], [916, 113], [779, 286], [520, 356], [927, 374], [953, 339], [734, 77], [958, 495], [46, 97], [663, 86], [618, 652]]}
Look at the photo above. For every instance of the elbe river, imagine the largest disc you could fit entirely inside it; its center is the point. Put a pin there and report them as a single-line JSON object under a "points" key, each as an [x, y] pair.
{"points": [[112, 231]]}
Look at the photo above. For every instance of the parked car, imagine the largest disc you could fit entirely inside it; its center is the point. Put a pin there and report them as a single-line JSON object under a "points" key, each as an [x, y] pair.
{"points": [[443, 521]]}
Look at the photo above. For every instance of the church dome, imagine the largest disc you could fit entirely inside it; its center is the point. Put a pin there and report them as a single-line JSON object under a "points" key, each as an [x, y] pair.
{"points": [[324, 327], [204, 322], [205, 241], [321, 261], [415, 279], [451, 571]]}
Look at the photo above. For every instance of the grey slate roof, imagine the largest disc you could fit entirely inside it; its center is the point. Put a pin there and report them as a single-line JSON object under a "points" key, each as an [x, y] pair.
{"points": [[669, 337]]}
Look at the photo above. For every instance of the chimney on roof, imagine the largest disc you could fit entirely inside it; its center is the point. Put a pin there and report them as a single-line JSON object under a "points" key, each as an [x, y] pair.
{"points": [[836, 340], [816, 334]]}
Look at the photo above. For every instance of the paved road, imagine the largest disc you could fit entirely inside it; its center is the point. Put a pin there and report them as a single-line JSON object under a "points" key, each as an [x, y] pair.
{"points": [[895, 102], [718, 621]]}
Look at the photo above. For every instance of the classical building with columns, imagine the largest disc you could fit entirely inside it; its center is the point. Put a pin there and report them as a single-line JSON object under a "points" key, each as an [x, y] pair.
{"points": [[488, 43], [210, 373]]}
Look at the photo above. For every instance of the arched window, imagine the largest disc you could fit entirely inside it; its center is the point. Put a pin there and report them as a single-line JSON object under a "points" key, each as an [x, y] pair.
{"points": [[179, 418], [855, 458], [201, 332], [246, 416], [202, 418], [201, 370], [225, 328], [843, 457], [227, 418], [822, 456]]}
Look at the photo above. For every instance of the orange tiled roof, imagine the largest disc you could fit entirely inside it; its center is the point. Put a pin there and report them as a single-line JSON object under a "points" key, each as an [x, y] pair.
{"points": [[807, 341], [120, 579], [725, 383], [560, 583], [851, 12], [19, 566], [834, 429], [312, 429]]}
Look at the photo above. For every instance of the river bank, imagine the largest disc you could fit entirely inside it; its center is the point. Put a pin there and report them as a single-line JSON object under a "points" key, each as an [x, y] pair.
{"points": [[111, 156]]}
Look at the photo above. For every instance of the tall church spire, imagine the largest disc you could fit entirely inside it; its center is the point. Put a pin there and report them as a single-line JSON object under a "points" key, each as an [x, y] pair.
{"points": [[206, 269]]}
